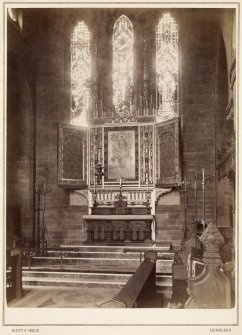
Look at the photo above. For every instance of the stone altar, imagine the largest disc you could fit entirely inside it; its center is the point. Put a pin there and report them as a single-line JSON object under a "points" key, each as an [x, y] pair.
{"points": [[118, 228]]}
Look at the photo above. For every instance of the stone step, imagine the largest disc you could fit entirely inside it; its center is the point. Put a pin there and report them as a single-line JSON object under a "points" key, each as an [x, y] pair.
{"points": [[162, 266], [84, 260], [164, 280], [43, 282], [112, 246], [73, 279], [96, 266], [122, 277], [103, 254], [32, 278], [94, 254], [119, 268], [161, 279]]}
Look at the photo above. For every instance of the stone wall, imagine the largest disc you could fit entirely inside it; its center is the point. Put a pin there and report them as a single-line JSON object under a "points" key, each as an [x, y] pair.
{"points": [[20, 143], [197, 96]]}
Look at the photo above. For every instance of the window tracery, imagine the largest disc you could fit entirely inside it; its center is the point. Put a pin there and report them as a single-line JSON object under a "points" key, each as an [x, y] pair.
{"points": [[123, 64], [80, 74], [167, 68]]}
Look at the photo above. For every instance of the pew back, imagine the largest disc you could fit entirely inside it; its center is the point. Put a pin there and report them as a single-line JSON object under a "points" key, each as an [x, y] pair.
{"points": [[139, 291]]}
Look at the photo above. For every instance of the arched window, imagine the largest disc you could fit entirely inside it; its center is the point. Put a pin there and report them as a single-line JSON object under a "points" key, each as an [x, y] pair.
{"points": [[16, 15], [123, 64], [80, 74], [167, 68]]}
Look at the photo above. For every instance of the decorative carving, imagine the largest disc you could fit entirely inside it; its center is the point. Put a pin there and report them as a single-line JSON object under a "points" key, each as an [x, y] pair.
{"points": [[211, 288], [159, 192], [232, 73], [146, 154], [212, 239], [121, 117], [82, 193], [230, 144], [226, 157], [106, 197], [230, 110], [167, 153], [120, 205], [119, 228], [96, 151], [72, 160]]}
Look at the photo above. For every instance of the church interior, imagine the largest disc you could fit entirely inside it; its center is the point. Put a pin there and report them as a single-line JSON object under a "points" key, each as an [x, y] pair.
{"points": [[120, 157]]}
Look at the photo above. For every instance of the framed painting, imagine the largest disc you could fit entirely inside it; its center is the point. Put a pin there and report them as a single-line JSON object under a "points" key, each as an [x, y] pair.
{"points": [[121, 153], [72, 156], [168, 161]]}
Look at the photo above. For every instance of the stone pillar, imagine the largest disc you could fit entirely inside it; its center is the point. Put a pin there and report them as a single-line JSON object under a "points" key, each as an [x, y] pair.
{"points": [[211, 288]]}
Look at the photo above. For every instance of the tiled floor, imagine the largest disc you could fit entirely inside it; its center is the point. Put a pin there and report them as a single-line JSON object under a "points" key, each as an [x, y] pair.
{"points": [[64, 298]]}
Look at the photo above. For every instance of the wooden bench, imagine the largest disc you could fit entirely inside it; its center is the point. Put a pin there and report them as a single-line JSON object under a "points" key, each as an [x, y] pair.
{"points": [[140, 290]]}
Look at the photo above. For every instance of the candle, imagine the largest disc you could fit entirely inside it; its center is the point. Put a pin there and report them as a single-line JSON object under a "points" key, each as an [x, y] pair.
{"points": [[120, 181], [203, 174]]}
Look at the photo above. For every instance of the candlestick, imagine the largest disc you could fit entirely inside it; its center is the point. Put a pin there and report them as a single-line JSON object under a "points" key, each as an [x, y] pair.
{"points": [[203, 190]]}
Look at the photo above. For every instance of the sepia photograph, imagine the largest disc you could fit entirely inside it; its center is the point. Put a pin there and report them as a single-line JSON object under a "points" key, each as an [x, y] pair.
{"points": [[120, 188]]}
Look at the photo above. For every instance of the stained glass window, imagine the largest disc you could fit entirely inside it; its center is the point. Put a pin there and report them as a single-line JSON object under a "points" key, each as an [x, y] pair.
{"points": [[123, 63], [16, 15], [166, 68], [80, 74], [13, 13]]}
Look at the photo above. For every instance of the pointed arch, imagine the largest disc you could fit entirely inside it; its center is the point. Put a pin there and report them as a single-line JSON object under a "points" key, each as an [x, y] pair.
{"points": [[80, 73], [167, 68], [123, 66]]}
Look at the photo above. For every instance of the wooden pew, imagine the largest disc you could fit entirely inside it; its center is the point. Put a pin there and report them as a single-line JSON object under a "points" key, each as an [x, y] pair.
{"points": [[211, 288], [14, 274], [140, 290]]}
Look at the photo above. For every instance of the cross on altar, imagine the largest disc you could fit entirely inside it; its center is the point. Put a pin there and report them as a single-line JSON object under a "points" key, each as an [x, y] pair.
{"points": [[120, 182], [120, 196]]}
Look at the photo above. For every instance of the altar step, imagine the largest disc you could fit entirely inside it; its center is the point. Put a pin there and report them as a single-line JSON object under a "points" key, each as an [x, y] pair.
{"points": [[73, 279], [101, 258], [37, 278], [95, 266], [95, 263]]}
